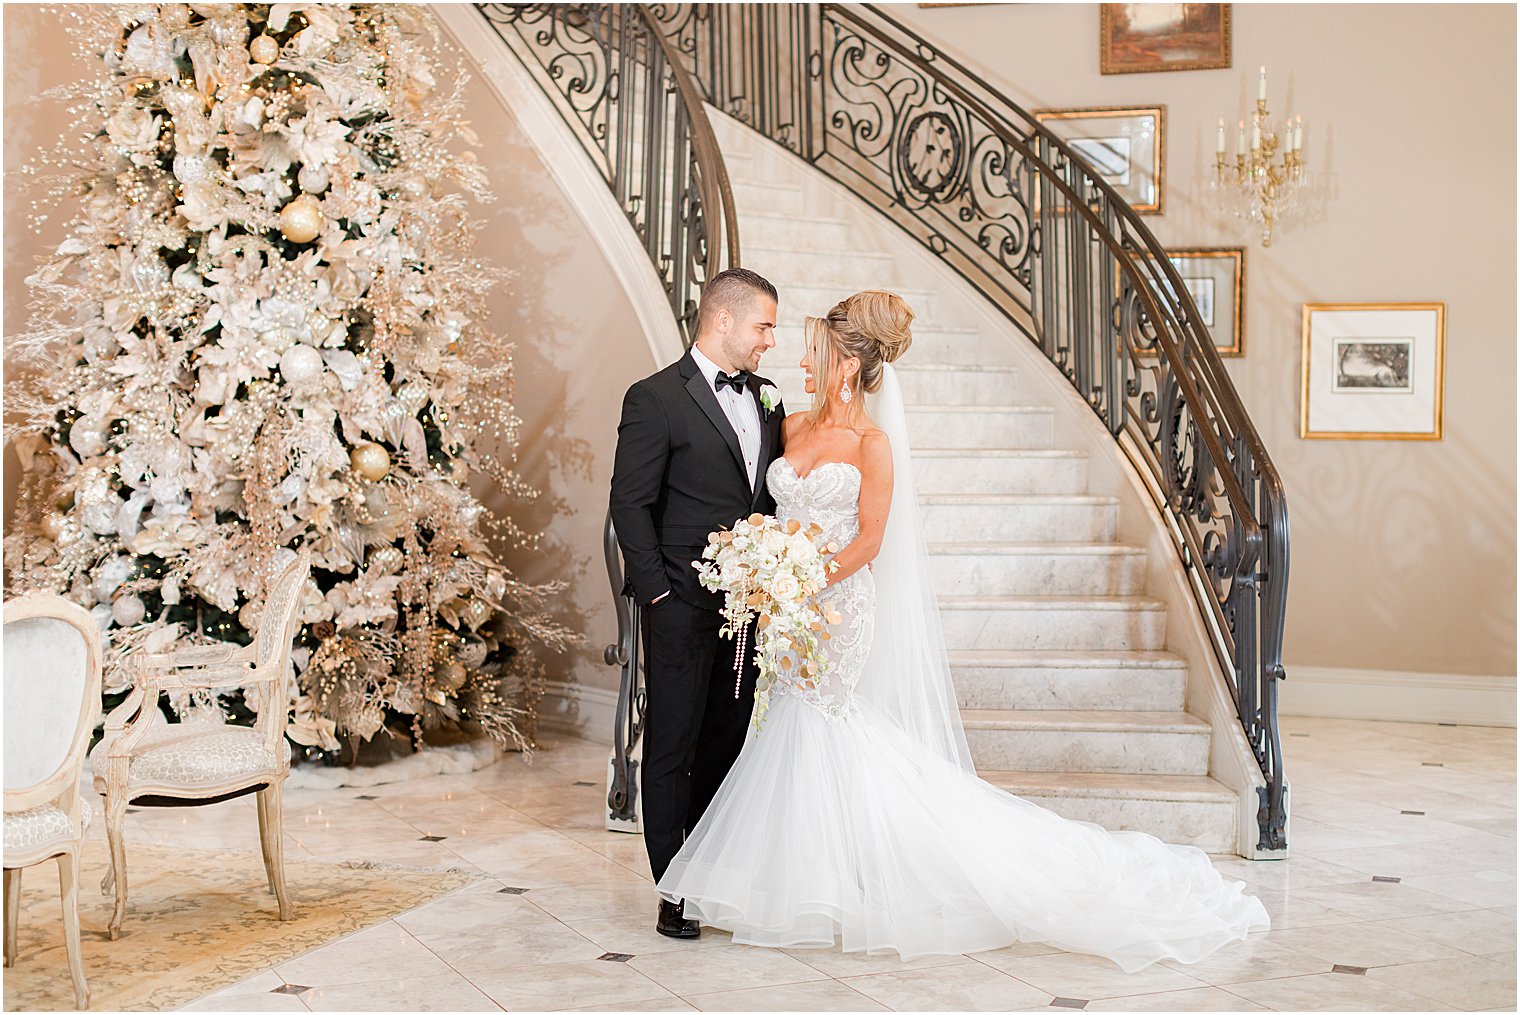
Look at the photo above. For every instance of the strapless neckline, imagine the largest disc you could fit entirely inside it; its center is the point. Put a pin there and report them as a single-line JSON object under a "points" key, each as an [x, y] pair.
{"points": [[814, 470]]}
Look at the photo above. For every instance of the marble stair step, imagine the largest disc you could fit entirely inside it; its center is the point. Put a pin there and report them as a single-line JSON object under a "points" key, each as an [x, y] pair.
{"points": [[1052, 740], [851, 269], [795, 232], [1189, 810], [925, 383], [1065, 623], [1030, 569], [1117, 680], [968, 427], [1000, 470], [764, 197], [1019, 517]]}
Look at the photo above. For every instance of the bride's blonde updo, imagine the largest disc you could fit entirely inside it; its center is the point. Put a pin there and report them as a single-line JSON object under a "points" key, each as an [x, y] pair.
{"points": [[873, 326]]}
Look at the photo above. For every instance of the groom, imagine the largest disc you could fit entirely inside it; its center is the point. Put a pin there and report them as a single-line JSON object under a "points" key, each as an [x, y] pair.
{"points": [[693, 446]]}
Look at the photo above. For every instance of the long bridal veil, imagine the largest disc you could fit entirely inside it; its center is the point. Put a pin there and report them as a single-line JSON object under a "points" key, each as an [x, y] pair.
{"points": [[907, 675]]}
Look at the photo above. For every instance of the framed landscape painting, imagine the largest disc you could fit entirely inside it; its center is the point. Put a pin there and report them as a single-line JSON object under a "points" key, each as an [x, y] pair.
{"points": [[1373, 371], [1124, 145], [1136, 38]]}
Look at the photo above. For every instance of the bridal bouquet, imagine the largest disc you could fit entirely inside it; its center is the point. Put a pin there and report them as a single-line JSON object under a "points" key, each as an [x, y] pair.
{"points": [[771, 573]]}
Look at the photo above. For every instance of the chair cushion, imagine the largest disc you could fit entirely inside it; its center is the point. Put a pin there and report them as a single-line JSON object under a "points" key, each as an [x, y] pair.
{"points": [[40, 826], [195, 754]]}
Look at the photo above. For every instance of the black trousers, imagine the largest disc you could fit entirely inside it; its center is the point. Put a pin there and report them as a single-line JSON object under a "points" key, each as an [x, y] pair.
{"points": [[694, 727]]}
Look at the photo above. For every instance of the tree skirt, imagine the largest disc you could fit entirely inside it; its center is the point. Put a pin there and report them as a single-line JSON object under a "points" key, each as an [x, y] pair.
{"points": [[446, 759], [197, 921]]}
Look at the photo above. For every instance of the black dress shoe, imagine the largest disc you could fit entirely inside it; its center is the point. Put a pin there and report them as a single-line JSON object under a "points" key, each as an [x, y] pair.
{"points": [[673, 922]]}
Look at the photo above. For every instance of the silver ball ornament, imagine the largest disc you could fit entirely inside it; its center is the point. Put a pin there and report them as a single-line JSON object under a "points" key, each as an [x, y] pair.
{"points": [[301, 364], [370, 461], [314, 179], [128, 611]]}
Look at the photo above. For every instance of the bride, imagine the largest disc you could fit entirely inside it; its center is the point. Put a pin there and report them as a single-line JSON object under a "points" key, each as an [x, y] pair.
{"points": [[855, 814]]}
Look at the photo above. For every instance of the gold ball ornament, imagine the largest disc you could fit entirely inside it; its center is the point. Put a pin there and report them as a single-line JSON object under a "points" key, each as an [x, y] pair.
{"points": [[370, 461], [301, 220], [263, 49]]}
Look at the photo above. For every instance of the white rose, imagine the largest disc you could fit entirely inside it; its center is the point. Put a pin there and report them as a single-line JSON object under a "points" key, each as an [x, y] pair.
{"points": [[132, 127], [786, 588]]}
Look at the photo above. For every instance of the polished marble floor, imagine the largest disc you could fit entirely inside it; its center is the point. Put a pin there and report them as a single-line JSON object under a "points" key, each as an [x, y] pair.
{"points": [[1400, 896]]}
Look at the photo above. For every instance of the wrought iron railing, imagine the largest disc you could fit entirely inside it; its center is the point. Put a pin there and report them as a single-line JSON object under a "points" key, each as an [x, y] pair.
{"points": [[625, 93], [1011, 208]]}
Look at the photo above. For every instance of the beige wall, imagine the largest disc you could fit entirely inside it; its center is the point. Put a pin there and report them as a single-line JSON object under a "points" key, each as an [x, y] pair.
{"points": [[1403, 552], [577, 345]]}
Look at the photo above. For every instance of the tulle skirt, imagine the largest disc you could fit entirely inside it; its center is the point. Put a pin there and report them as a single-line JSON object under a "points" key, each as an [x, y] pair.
{"points": [[847, 831]]}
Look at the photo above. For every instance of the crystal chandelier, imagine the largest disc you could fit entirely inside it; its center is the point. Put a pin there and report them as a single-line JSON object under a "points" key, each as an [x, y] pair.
{"points": [[1262, 184]]}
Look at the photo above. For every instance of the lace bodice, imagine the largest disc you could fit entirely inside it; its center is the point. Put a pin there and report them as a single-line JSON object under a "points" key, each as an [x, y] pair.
{"points": [[830, 496]]}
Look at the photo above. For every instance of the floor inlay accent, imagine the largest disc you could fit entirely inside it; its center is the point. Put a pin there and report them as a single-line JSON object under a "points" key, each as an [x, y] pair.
{"points": [[290, 988], [1068, 1002], [1353, 970], [1386, 880], [614, 957]]}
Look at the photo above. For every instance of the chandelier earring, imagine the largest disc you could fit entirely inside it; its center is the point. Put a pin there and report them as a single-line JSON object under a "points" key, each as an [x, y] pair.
{"points": [[845, 394]]}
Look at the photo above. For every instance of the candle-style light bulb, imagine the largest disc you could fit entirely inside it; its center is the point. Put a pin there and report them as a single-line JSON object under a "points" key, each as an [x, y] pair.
{"points": [[1240, 138], [1219, 146], [1261, 84]]}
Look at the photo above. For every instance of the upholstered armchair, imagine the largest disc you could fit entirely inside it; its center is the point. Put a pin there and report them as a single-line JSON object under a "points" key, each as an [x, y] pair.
{"points": [[145, 758], [52, 703]]}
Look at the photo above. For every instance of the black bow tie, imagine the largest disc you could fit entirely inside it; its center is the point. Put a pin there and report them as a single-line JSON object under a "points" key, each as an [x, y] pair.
{"points": [[738, 380]]}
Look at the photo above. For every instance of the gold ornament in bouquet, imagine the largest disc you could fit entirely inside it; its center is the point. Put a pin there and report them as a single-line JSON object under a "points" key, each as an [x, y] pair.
{"points": [[771, 573]]}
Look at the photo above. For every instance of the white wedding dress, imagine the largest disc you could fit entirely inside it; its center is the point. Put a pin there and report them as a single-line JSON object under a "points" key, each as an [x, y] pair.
{"points": [[849, 818]]}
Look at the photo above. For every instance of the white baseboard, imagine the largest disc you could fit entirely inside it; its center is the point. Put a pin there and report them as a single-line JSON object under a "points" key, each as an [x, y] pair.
{"points": [[588, 712], [1390, 696]]}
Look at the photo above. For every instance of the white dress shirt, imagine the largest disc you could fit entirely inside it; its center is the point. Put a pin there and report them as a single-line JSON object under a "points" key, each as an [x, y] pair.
{"points": [[742, 412]]}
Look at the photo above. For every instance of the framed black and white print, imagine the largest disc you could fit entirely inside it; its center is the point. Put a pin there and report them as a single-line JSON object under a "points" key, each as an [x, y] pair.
{"points": [[1125, 145], [1215, 277], [1373, 371]]}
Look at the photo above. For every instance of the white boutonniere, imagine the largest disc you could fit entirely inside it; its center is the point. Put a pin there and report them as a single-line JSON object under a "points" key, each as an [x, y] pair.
{"points": [[769, 398]]}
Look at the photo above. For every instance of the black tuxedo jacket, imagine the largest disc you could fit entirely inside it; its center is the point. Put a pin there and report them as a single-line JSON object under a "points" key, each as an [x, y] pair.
{"points": [[679, 475]]}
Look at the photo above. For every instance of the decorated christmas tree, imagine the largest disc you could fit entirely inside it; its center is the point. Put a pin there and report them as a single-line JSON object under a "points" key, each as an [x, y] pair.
{"points": [[264, 331]]}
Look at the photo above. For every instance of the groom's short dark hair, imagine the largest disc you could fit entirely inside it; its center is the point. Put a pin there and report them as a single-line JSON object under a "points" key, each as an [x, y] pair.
{"points": [[732, 289]]}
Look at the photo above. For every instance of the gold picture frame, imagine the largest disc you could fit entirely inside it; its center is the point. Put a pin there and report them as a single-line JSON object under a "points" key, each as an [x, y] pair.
{"points": [[1219, 295], [1112, 139], [1373, 364], [1200, 39]]}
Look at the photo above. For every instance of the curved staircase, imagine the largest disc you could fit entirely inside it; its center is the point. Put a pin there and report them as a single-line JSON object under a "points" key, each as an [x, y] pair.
{"points": [[1067, 691], [1109, 536]]}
